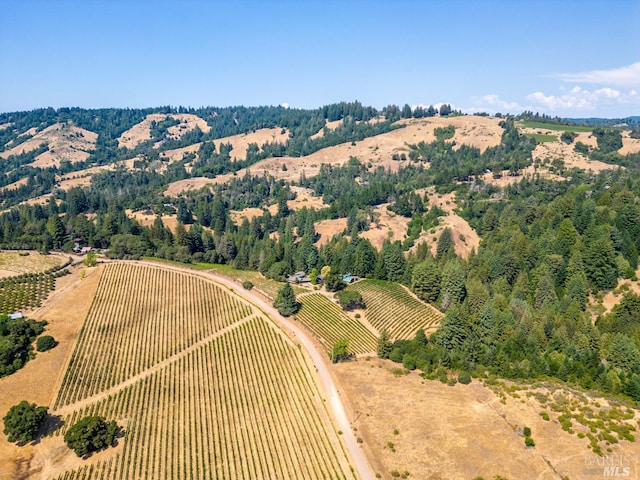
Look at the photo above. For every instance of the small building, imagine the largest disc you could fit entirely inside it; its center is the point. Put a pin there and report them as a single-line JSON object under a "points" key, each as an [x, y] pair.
{"points": [[16, 315], [348, 278], [298, 277]]}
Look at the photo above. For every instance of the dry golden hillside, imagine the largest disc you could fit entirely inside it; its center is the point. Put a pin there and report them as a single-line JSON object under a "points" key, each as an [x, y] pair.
{"points": [[480, 132], [64, 140], [629, 145], [238, 142], [141, 132]]}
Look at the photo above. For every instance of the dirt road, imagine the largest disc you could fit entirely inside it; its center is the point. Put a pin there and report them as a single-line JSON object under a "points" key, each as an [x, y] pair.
{"points": [[319, 360]]}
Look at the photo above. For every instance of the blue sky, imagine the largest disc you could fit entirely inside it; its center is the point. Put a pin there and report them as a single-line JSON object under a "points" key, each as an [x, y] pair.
{"points": [[564, 57]]}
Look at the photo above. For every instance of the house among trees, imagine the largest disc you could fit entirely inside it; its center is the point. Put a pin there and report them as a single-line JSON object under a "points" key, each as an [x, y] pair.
{"points": [[348, 278], [16, 315], [299, 277]]}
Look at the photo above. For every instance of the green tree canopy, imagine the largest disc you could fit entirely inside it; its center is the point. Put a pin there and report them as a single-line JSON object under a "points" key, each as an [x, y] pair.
{"points": [[22, 422], [285, 301], [91, 434], [425, 281]]}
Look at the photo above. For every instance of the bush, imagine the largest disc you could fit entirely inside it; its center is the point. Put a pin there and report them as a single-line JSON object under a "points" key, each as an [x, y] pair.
{"points": [[526, 431], [568, 137], [409, 361], [90, 260], [350, 299], [22, 422], [247, 285], [91, 434], [464, 378], [333, 283], [528, 441], [46, 342]]}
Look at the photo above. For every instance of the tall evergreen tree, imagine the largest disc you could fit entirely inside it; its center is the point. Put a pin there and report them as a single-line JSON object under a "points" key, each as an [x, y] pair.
{"points": [[285, 301]]}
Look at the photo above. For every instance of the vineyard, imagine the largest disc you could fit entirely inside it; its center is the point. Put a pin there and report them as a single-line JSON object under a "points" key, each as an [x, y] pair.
{"points": [[328, 322], [391, 307], [205, 386], [28, 290]]}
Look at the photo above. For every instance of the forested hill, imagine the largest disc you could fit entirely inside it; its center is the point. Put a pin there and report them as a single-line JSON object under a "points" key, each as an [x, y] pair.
{"points": [[548, 212]]}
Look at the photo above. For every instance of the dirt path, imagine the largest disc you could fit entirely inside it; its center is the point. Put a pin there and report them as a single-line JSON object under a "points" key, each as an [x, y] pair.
{"points": [[334, 401], [70, 408]]}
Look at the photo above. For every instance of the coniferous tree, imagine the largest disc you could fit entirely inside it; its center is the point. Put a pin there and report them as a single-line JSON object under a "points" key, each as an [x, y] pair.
{"points": [[384, 344], [445, 247], [285, 301], [425, 281]]}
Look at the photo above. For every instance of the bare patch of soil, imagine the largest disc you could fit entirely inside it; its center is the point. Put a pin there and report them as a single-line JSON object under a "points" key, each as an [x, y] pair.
{"points": [[329, 126], [147, 219]]}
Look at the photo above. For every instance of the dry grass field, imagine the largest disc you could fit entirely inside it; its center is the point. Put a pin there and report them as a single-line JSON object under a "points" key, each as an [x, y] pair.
{"points": [[437, 432], [15, 263], [65, 142], [465, 238], [326, 229], [629, 145], [203, 383], [480, 132], [141, 132]]}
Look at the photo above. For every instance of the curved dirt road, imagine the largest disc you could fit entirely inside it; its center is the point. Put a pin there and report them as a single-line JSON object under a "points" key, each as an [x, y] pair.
{"points": [[319, 360]]}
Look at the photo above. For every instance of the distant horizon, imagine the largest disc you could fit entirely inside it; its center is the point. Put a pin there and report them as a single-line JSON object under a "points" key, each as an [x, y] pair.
{"points": [[379, 109], [479, 56]]}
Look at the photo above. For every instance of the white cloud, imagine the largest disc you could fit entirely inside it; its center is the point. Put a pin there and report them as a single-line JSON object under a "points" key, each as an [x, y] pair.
{"points": [[575, 101], [491, 101], [580, 99], [628, 76]]}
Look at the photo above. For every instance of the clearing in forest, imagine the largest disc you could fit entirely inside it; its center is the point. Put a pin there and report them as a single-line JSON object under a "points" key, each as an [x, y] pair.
{"points": [[390, 306], [329, 323], [64, 141], [16, 263], [204, 385]]}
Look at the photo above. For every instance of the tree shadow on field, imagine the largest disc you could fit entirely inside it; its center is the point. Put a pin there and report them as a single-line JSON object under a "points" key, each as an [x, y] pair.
{"points": [[50, 425]]}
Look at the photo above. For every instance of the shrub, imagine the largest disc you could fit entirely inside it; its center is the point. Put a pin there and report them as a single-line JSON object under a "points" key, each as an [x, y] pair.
{"points": [[528, 441], [409, 361], [46, 342], [545, 416], [526, 431], [350, 299], [90, 260], [464, 378], [247, 285]]}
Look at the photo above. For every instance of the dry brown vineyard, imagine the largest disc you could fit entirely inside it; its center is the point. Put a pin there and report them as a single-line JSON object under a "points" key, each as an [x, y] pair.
{"points": [[204, 383]]}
